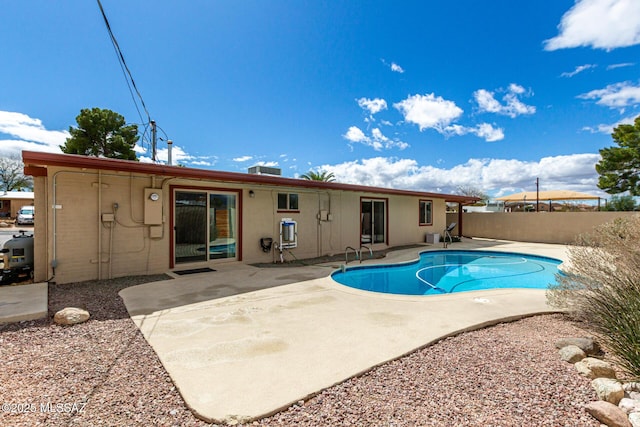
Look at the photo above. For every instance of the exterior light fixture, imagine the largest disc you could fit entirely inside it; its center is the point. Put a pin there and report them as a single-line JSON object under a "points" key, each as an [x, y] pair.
{"points": [[252, 194], [154, 197]]}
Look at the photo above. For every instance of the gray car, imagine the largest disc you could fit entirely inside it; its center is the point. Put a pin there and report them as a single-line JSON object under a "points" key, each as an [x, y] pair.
{"points": [[25, 215]]}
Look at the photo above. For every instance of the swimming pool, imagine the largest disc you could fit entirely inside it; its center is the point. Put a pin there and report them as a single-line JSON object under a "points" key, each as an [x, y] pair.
{"points": [[442, 272]]}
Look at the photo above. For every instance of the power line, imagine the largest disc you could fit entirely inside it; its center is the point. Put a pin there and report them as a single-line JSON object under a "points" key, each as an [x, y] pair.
{"points": [[125, 69]]}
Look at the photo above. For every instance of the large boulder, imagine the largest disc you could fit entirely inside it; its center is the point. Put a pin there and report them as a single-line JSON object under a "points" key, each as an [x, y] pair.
{"points": [[588, 345], [608, 413], [71, 316], [592, 368], [572, 353], [608, 390]]}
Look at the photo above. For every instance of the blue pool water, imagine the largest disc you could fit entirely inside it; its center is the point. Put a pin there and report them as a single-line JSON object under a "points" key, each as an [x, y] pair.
{"points": [[442, 272]]}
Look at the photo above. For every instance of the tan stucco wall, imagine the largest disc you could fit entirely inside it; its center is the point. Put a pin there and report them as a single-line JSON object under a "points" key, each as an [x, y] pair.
{"points": [[541, 227], [71, 232], [83, 246]]}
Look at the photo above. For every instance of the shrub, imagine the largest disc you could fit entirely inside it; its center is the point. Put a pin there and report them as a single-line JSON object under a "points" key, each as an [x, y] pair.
{"points": [[601, 287]]}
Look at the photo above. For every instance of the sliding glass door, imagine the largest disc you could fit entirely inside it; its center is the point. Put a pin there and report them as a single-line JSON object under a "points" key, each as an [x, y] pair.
{"points": [[373, 222], [205, 225]]}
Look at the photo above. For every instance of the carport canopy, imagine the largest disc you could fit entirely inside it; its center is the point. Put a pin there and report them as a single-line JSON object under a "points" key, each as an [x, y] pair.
{"points": [[547, 195]]}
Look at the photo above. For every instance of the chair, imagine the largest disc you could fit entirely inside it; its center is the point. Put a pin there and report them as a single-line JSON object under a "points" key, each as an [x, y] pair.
{"points": [[447, 233]]}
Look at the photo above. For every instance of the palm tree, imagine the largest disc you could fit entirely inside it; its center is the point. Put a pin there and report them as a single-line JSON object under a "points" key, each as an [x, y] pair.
{"points": [[319, 176]]}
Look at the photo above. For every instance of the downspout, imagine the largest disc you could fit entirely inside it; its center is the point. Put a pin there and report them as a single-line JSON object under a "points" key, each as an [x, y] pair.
{"points": [[319, 228], [99, 230]]}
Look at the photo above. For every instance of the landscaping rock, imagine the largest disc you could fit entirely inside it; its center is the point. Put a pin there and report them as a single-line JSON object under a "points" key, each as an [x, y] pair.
{"points": [[572, 353], [608, 413], [629, 405], [588, 345], [71, 316], [634, 419], [608, 390], [631, 387], [592, 368]]}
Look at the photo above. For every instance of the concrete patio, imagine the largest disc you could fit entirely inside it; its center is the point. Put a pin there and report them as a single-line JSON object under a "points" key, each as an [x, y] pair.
{"points": [[241, 343]]}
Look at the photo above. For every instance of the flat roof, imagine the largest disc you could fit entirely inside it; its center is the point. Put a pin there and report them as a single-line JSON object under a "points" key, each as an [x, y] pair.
{"points": [[22, 195], [36, 163]]}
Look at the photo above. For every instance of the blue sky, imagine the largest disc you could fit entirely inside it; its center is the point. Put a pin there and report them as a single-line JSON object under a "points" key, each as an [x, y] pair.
{"points": [[420, 95]]}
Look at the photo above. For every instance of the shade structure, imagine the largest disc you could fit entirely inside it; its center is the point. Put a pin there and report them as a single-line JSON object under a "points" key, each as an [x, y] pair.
{"points": [[547, 195]]}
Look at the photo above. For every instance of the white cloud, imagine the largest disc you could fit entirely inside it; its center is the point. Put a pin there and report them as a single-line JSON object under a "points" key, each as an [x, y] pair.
{"points": [[377, 140], [608, 128], [578, 70], [179, 157], [354, 134], [395, 67], [512, 106], [29, 134], [617, 95], [571, 172], [483, 130], [271, 164], [429, 111], [624, 64], [602, 24], [243, 158], [372, 105]]}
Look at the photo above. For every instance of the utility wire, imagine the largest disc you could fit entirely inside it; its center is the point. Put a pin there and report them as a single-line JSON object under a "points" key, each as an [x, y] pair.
{"points": [[125, 69]]}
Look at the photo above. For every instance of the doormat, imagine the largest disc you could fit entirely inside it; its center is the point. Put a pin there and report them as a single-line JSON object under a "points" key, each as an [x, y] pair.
{"points": [[194, 271]]}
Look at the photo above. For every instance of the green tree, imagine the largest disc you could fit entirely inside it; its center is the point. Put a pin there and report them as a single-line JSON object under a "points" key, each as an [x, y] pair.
{"points": [[619, 168], [319, 176], [102, 133], [621, 203], [12, 177]]}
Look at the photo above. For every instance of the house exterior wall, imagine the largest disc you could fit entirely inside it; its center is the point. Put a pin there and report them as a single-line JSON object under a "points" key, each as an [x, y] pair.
{"points": [[90, 223], [11, 203]]}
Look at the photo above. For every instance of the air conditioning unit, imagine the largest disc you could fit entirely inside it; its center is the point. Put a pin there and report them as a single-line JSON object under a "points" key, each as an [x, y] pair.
{"points": [[265, 170]]}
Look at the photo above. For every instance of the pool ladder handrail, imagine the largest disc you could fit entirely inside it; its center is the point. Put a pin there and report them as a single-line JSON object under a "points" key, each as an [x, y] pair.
{"points": [[346, 253], [370, 252]]}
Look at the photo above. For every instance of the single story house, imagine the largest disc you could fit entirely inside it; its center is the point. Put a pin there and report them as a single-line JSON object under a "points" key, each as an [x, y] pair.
{"points": [[103, 218], [12, 201]]}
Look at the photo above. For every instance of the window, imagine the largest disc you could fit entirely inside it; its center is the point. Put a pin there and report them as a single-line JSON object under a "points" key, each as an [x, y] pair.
{"points": [[287, 202], [426, 212]]}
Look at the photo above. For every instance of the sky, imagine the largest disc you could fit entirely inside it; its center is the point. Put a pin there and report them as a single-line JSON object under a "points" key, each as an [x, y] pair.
{"points": [[417, 95]]}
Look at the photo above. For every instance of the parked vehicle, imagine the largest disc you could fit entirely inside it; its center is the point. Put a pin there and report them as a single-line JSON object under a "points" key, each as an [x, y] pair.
{"points": [[25, 215], [17, 259]]}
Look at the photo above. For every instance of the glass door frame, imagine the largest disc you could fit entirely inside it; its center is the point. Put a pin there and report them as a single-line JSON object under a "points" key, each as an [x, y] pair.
{"points": [[173, 189], [385, 226]]}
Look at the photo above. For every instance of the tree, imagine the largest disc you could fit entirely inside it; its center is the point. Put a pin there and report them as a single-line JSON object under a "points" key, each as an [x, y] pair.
{"points": [[12, 177], [319, 176], [473, 192], [102, 133], [621, 203], [619, 168]]}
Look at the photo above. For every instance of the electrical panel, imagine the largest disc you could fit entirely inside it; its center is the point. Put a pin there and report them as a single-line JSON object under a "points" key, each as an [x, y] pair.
{"points": [[152, 206]]}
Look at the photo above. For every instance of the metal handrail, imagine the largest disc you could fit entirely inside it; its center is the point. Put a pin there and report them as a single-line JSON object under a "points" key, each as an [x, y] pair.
{"points": [[346, 253], [370, 252]]}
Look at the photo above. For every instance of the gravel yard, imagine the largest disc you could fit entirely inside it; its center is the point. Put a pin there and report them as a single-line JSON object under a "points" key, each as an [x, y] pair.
{"points": [[103, 373]]}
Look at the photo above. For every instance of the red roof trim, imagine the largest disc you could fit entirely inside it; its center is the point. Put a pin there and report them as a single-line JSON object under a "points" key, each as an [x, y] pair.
{"points": [[33, 159]]}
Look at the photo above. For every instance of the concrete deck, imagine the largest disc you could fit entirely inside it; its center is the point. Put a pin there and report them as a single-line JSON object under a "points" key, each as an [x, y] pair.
{"points": [[241, 356], [23, 302]]}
